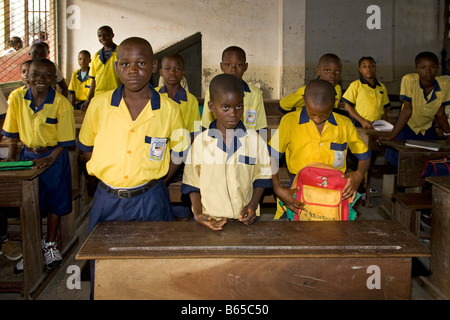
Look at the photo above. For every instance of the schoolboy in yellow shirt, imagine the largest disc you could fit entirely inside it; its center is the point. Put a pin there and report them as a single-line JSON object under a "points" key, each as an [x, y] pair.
{"points": [[366, 99], [317, 134], [425, 96], [43, 120], [80, 83], [329, 68], [234, 61], [102, 72], [228, 165]]}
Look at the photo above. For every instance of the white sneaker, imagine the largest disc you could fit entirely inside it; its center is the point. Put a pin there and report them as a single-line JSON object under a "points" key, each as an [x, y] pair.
{"points": [[19, 267], [52, 255]]}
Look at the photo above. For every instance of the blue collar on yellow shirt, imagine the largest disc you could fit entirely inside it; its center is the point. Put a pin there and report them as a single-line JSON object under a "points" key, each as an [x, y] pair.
{"points": [[80, 78], [304, 118], [246, 87], [239, 132], [155, 100], [180, 95], [49, 99], [364, 81], [436, 89], [101, 55]]}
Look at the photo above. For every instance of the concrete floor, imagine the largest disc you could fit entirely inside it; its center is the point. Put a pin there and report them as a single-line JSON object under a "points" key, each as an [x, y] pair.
{"points": [[58, 287]]}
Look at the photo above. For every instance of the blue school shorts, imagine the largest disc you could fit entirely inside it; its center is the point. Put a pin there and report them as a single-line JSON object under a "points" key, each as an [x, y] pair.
{"points": [[55, 183], [153, 205]]}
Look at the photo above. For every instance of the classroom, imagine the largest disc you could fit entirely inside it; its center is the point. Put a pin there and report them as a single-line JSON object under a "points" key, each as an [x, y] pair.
{"points": [[281, 50]]}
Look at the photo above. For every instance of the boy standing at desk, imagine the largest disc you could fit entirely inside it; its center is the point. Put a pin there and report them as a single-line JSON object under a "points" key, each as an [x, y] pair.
{"points": [[317, 134], [424, 97], [43, 120], [80, 83], [234, 61], [228, 165], [102, 72], [329, 69]]}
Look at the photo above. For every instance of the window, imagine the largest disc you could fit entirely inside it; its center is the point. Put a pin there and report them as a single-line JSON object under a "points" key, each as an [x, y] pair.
{"points": [[22, 23]]}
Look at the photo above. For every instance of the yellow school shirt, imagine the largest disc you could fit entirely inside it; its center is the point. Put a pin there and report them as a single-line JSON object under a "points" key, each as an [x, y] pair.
{"points": [[188, 104], [50, 124], [226, 178], [297, 136], [424, 108], [127, 153], [369, 102], [295, 100], [254, 116], [103, 72], [80, 86]]}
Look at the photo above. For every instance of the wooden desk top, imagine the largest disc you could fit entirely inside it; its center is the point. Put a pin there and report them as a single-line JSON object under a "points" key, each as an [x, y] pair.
{"points": [[441, 182], [384, 238], [28, 174]]}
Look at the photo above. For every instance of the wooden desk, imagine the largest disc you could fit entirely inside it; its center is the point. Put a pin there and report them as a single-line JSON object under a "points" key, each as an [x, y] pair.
{"points": [[20, 188], [266, 260], [440, 234], [411, 161], [368, 135]]}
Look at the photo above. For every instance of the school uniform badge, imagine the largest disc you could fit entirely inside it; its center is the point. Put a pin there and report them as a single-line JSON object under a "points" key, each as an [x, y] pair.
{"points": [[250, 117], [157, 149]]}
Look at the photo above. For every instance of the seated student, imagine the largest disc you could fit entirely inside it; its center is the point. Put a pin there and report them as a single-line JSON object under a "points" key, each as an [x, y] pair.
{"points": [[228, 165], [424, 96], [234, 61], [43, 120], [41, 50], [317, 134], [80, 83], [172, 72], [329, 69], [366, 99]]}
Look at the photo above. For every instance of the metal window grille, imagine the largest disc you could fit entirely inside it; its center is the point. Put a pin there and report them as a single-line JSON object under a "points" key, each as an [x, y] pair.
{"points": [[25, 22]]}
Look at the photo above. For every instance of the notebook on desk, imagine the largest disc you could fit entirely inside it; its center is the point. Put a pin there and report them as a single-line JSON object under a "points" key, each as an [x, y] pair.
{"points": [[382, 125], [433, 146]]}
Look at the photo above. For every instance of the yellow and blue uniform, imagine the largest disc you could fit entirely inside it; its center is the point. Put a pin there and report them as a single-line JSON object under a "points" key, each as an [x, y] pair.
{"points": [[129, 154], [254, 116], [47, 126], [295, 100], [188, 104], [298, 138], [80, 86], [226, 177], [369, 102], [103, 71]]}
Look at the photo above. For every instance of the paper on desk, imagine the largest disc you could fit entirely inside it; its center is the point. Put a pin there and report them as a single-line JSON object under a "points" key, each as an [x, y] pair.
{"points": [[423, 145], [382, 125]]}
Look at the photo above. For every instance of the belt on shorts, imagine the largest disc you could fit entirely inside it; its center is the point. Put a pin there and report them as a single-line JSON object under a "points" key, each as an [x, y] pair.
{"points": [[38, 150], [129, 193]]}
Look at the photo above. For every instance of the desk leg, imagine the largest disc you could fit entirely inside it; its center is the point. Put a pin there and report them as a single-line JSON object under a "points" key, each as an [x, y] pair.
{"points": [[30, 222]]}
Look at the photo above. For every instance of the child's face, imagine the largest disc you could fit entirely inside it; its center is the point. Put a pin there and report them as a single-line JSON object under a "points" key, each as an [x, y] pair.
{"points": [[24, 69], [134, 66], [172, 71], [84, 60], [105, 37], [367, 69], [329, 70], [41, 77], [427, 70], [318, 113], [233, 63], [228, 108]]}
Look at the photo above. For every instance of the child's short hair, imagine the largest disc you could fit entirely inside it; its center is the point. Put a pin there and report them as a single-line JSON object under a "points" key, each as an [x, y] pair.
{"points": [[225, 83], [330, 56], [85, 52], [371, 59], [46, 62], [174, 56], [106, 28], [25, 63], [236, 49], [320, 93], [427, 55]]}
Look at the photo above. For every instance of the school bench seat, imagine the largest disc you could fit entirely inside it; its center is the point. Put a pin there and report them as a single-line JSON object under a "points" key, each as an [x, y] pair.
{"points": [[408, 209]]}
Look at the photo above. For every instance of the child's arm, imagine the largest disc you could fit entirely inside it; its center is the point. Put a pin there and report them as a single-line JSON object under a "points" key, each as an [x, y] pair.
{"points": [[64, 88], [73, 99], [12, 149], [49, 160], [248, 213], [172, 169], [286, 195], [351, 110], [202, 218], [354, 179], [402, 120], [85, 105], [442, 121]]}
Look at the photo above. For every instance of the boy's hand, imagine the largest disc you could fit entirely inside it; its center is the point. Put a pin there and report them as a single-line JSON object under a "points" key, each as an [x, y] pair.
{"points": [[85, 105], [248, 215], [210, 222], [43, 162], [367, 125], [287, 196], [353, 181]]}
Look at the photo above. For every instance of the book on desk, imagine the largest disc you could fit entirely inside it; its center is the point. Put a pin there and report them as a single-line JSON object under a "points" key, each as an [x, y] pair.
{"points": [[433, 146]]}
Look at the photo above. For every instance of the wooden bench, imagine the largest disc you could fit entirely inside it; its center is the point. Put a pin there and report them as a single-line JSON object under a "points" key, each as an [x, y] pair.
{"points": [[408, 209]]}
